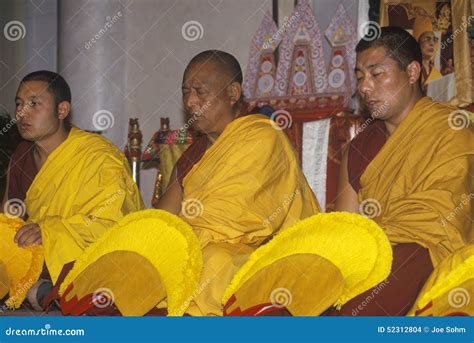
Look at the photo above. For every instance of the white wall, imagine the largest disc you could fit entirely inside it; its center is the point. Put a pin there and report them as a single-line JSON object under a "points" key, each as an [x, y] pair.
{"points": [[36, 50], [158, 57], [134, 66]]}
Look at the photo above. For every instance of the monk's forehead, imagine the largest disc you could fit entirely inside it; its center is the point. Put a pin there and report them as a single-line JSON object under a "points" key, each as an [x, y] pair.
{"points": [[33, 88], [373, 57], [207, 72]]}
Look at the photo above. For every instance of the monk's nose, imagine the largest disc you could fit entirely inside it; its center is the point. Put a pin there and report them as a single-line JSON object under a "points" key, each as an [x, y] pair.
{"points": [[364, 87], [20, 113], [190, 100]]}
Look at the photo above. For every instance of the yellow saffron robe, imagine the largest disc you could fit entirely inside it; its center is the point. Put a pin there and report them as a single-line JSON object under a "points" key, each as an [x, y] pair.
{"points": [[246, 187], [420, 187], [83, 188]]}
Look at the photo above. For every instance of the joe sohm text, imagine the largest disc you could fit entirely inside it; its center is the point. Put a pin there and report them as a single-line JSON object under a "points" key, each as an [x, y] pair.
{"points": [[420, 329]]}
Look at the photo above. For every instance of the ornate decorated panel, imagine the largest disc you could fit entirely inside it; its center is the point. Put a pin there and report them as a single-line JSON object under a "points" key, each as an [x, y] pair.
{"points": [[261, 67], [301, 67], [342, 37], [314, 100]]}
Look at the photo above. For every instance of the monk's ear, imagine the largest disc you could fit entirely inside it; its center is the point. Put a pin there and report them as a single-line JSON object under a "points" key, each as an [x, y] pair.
{"points": [[414, 72], [234, 91], [64, 108]]}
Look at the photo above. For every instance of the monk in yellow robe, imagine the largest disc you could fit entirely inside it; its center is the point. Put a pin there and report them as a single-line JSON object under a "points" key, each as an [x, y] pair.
{"points": [[239, 184], [410, 171], [77, 184]]}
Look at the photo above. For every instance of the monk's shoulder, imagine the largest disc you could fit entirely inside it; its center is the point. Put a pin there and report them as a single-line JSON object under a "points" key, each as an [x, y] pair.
{"points": [[97, 146], [448, 129], [260, 127], [451, 123]]}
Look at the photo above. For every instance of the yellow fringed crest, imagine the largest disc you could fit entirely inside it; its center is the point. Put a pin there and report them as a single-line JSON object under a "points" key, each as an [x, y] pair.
{"points": [[450, 273], [353, 243], [166, 241], [4, 280], [23, 265]]}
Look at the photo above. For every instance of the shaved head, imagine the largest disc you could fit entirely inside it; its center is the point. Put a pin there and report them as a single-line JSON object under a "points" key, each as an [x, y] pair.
{"points": [[225, 63], [212, 90]]}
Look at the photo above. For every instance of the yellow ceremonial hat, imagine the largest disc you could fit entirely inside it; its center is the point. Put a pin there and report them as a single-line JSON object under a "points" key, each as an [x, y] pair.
{"points": [[422, 24], [20, 268], [146, 257], [321, 261], [449, 288]]}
